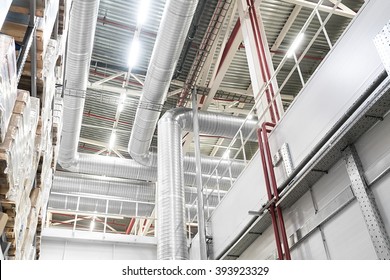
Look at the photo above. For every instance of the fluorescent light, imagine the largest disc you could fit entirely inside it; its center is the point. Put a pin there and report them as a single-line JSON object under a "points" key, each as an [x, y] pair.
{"points": [[112, 140], [295, 44], [134, 50], [120, 107], [226, 154], [143, 11]]}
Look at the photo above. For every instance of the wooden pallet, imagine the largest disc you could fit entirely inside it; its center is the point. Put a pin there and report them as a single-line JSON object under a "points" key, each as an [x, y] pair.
{"points": [[62, 16], [21, 7]]}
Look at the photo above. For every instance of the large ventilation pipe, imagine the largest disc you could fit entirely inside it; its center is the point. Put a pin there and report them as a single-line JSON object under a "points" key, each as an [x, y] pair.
{"points": [[94, 190], [130, 169], [174, 26], [171, 36], [82, 27], [171, 231]]}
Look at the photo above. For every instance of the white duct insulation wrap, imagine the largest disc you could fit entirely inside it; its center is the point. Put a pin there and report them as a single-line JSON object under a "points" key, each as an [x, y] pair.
{"points": [[66, 187], [130, 169], [82, 27], [171, 230], [174, 26]]}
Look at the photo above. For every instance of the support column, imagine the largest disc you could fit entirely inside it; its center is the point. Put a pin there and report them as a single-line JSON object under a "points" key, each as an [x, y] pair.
{"points": [[259, 60], [379, 237]]}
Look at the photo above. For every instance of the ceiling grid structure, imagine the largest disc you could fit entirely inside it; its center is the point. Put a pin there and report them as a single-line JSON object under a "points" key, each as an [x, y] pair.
{"points": [[116, 26]]}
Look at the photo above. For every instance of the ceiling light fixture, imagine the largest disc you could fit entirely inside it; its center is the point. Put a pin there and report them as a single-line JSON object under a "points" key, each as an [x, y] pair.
{"points": [[298, 40], [112, 140], [134, 50], [226, 154], [143, 11]]}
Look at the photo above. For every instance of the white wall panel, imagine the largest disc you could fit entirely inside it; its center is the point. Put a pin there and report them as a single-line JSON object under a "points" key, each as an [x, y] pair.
{"points": [[374, 149], [331, 184], [342, 77], [311, 248], [347, 235], [296, 216], [75, 250], [134, 252], [381, 192], [52, 249], [263, 248], [231, 216], [62, 249]]}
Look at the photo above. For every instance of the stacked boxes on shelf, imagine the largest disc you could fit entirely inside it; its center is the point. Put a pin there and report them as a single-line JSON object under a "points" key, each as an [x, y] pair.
{"points": [[19, 170], [7, 82], [30, 128], [47, 12], [57, 128]]}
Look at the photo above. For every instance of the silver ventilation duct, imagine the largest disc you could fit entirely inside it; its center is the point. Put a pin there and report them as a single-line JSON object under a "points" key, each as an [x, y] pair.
{"points": [[82, 27], [171, 231], [124, 196], [130, 169], [171, 36]]}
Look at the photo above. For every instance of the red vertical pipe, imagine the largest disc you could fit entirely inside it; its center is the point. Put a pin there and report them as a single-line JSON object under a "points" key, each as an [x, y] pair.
{"points": [[265, 65], [275, 190], [130, 226], [269, 193], [229, 43], [283, 233]]}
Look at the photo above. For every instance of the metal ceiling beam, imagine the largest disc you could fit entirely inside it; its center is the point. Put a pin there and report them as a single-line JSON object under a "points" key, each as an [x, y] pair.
{"points": [[229, 20], [286, 28], [323, 8], [343, 7], [105, 128], [120, 90], [229, 52], [149, 223], [109, 78], [101, 144]]}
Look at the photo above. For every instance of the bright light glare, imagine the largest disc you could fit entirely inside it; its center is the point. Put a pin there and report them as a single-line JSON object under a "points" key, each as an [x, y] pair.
{"points": [[226, 154], [134, 50], [121, 104], [92, 226], [295, 44], [143, 11], [112, 140], [123, 97]]}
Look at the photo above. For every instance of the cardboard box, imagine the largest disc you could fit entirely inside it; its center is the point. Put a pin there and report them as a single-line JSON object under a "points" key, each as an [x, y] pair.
{"points": [[3, 222]]}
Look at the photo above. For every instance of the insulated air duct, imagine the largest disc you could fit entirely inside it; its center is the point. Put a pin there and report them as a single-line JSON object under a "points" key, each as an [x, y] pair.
{"points": [[170, 39], [94, 190], [172, 241], [82, 27]]}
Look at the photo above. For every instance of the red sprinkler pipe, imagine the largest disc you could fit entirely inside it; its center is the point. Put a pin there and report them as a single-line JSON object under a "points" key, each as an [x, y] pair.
{"points": [[269, 193], [130, 227], [275, 190]]}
